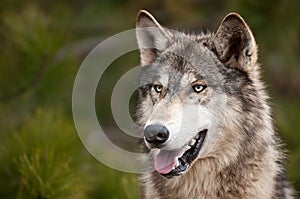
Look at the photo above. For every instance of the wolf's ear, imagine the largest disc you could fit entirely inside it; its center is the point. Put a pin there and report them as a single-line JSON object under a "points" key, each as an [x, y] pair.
{"points": [[151, 37], [234, 43]]}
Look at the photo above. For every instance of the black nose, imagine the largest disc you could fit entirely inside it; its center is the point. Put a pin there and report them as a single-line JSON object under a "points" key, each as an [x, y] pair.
{"points": [[156, 134]]}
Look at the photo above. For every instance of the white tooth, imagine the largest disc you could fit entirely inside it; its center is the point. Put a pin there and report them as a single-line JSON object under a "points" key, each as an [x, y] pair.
{"points": [[188, 147], [177, 162], [197, 136], [193, 141]]}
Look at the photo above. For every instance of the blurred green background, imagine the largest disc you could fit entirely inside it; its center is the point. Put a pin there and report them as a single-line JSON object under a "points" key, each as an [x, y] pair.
{"points": [[42, 46]]}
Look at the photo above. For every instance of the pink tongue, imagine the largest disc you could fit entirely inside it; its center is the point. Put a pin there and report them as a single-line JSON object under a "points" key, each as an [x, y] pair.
{"points": [[166, 160]]}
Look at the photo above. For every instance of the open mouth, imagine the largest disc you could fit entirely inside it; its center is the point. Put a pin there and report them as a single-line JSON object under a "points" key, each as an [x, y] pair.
{"points": [[171, 164]]}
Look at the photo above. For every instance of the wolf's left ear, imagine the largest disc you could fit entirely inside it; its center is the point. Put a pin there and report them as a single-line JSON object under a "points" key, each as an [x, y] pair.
{"points": [[234, 43], [151, 37]]}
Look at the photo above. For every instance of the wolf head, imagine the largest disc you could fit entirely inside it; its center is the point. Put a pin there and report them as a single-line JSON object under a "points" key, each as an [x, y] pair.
{"points": [[193, 91]]}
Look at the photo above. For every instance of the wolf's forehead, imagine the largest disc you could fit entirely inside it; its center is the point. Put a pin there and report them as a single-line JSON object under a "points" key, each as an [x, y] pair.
{"points": [[180, 79], [183, 56], [190, 66]]}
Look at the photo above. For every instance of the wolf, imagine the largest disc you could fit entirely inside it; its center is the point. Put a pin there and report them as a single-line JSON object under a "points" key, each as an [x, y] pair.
{"points": [[204, 115]]}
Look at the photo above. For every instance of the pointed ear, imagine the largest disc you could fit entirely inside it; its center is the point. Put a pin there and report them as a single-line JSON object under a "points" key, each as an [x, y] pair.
{"points": [[151, 37], [234, 43]]}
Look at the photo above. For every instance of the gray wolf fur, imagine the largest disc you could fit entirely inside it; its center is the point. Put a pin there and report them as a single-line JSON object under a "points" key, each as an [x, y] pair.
{"points": [[205, 117]]}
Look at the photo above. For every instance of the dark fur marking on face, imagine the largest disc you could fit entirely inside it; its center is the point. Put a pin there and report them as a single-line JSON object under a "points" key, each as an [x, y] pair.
{"points": [[204, 101], [178, 62], [144, 91]]}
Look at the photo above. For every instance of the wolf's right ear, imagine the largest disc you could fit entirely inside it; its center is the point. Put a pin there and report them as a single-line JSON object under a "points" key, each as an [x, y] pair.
{"points": [[151, 37]]}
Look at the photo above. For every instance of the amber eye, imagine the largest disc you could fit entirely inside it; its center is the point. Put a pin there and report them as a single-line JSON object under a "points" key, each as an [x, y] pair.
{"points": [[198, 88], [158, 88]]}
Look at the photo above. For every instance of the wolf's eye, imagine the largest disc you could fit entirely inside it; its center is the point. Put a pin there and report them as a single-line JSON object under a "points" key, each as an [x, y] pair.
{"points": [[158, 88], [198, 88]]}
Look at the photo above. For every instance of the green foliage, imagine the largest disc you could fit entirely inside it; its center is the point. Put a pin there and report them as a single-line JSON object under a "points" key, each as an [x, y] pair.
{"points": [[30, 40], [42, 176], [113, 184], [44, 158], [39, 158]]}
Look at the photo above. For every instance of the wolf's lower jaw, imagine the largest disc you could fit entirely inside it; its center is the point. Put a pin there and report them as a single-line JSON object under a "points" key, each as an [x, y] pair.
{"points": [[191, 153]]}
